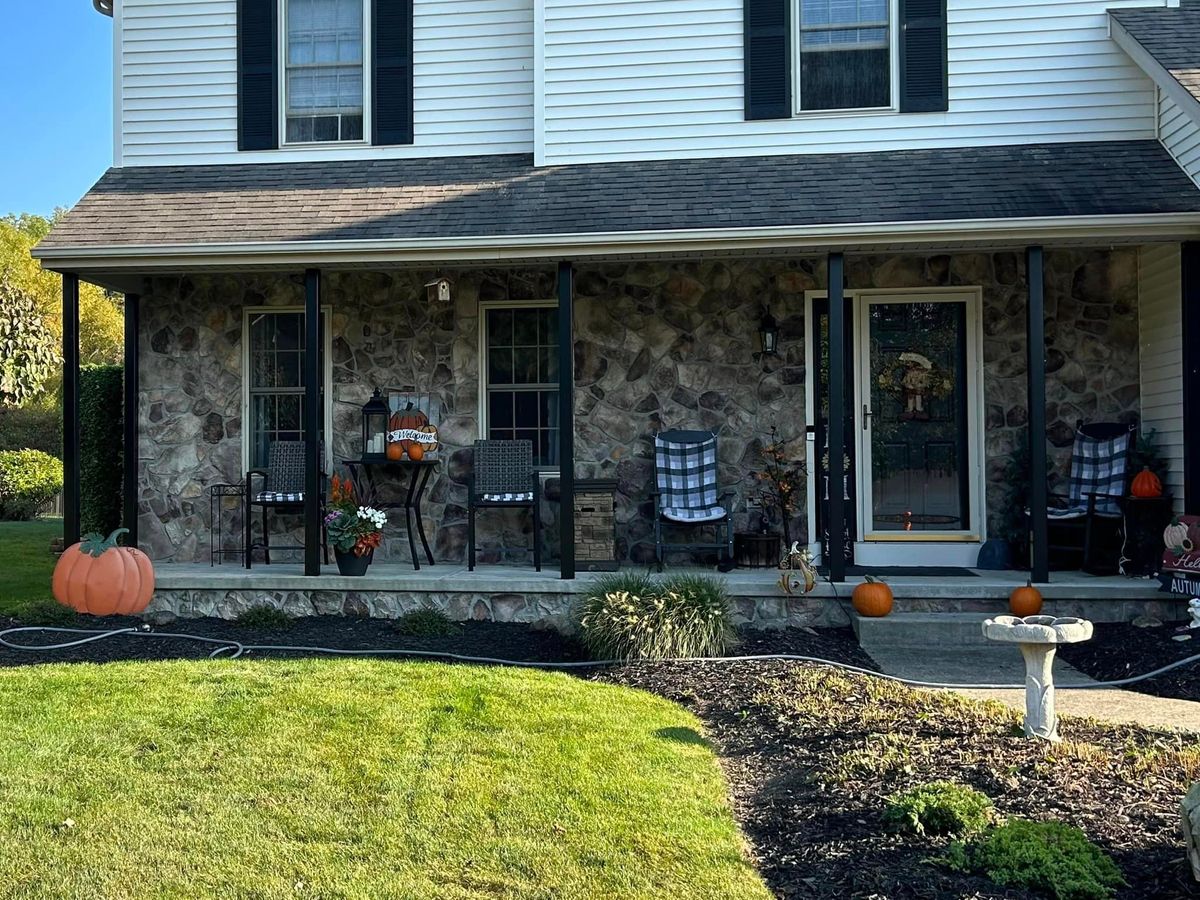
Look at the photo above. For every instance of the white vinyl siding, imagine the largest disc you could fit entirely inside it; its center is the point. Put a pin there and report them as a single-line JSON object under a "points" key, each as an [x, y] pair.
{"points": [[1160, 329], [642, 79], [177, 70], [1180, 135]]}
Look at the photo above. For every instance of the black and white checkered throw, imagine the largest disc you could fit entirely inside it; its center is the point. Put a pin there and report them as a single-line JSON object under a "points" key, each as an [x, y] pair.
{"points": [[1097, 467], [686, 476]]}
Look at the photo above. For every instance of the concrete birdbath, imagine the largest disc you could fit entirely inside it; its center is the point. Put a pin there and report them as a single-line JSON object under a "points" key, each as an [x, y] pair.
{"points": [[1038, 637]]}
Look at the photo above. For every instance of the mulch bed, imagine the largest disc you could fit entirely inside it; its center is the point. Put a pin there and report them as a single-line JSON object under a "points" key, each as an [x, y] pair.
{"points": [[1122, 650], [811, 754]]}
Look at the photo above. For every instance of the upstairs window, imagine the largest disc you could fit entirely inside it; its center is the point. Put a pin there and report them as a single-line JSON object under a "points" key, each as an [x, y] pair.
{"points": [[845, 56], [324, 66]]}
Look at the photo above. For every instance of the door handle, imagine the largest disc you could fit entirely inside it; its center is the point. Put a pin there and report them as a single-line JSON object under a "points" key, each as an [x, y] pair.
{"points": [[866, 417]]}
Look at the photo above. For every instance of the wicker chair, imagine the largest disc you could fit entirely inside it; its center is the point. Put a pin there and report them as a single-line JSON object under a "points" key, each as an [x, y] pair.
{"points": [[503, 477], [686, 493], [280, 490]]}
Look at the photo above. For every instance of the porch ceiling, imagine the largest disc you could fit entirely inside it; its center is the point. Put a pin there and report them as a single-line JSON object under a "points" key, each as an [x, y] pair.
{"points": [[488, 209]]}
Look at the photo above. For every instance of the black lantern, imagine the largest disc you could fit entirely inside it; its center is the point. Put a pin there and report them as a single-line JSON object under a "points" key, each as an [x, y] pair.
{"points": [[768, 333], [374, 428]]}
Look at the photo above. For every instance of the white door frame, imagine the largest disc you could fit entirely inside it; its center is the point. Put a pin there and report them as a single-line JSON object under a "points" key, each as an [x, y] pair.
{"points": [[958, 548]]}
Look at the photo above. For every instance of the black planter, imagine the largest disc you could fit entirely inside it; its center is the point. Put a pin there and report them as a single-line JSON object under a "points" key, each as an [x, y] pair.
{"points": [[349, 564]]}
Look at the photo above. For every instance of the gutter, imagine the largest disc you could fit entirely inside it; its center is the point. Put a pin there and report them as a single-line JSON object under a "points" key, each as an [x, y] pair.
{"points": [[1119, 229], [104, 7]]}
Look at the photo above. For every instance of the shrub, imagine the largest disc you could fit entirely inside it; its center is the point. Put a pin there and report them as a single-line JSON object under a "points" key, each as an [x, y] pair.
{"points": [[100, 449], [630, 616], [29, 479], [1051, 858], [31, 427], [45, 612], [940, 807], [425, 622], [264, 617], [28, 348]]}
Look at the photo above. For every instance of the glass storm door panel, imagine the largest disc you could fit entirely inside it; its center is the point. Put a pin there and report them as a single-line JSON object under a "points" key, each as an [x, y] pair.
{"points": [[916, 417]]}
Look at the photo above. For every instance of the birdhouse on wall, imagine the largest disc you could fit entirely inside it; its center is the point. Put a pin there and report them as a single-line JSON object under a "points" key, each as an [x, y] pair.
{"points": [[438, 291]]}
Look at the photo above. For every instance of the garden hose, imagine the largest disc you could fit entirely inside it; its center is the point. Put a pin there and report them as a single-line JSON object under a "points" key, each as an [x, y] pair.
{"points": [[230, 649]]}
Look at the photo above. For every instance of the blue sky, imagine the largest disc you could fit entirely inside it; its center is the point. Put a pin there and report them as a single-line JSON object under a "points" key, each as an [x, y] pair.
{"points": [[56, 103]]}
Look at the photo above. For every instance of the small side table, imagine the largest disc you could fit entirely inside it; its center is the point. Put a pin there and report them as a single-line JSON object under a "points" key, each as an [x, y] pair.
{"points": [[1145, 519], [418, 473], [756, 551], [217, 551]]}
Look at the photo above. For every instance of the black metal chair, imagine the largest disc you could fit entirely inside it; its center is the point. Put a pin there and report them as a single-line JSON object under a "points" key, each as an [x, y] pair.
{"points": [[280, 490], [503, 477], [1086, 524], [686, 493]]}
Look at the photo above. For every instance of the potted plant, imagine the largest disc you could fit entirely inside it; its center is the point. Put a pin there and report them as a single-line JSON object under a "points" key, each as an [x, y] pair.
{"points": [[355, 531], [780, 484]]}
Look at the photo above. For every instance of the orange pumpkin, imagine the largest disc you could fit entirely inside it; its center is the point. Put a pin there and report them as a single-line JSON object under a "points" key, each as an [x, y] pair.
{"points": [[96, 576], [416, 452], [1025, 601], [872, 599], [1146, 484], [407, 419], [395, 452]]}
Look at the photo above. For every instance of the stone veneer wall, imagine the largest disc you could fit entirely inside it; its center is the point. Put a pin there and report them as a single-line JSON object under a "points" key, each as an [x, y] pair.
{"points": [[658, 345]]}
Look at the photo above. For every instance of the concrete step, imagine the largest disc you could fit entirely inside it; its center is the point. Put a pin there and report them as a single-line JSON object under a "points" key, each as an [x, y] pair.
{"points": [[921, 630]]}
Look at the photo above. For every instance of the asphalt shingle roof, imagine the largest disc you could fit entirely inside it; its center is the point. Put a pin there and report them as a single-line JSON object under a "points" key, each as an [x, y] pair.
{"points": [[506, 195], [1171, 36]]}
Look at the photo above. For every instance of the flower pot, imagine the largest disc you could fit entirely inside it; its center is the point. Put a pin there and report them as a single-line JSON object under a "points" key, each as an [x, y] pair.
{"points": [[349, 564]]}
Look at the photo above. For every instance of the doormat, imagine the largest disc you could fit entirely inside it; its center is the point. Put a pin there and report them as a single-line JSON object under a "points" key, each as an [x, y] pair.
{"points": [[915, 571]]}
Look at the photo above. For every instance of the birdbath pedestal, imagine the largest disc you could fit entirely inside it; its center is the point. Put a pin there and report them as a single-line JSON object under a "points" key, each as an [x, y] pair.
{"points": [[1038, 638]]}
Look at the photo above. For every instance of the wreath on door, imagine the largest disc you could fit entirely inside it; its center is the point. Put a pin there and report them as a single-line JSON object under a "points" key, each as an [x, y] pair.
{"points": [[914, 379]]}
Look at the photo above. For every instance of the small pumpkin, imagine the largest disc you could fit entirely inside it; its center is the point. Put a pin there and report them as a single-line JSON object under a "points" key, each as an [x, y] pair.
{"points": [[408, 419], [1146, 485], [1175, 536], [1025, 600], [394, 451], [872, 599], [432, 444], [98, 577], [415, 452]]}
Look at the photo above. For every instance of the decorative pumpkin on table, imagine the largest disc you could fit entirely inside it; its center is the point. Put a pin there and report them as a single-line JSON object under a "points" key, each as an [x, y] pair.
{"points": [[407, 419], [98, 577], [1146, 485], [1025, 600], [872, 599]]}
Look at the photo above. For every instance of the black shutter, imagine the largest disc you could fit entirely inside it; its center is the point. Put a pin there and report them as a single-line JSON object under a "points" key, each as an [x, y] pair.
{"points": [[768, 61], [258, 75], [392, 81], [923, 80]]}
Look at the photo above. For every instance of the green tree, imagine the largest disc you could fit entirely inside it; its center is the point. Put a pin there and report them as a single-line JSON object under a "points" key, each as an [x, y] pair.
{"points": [[27, 347]]}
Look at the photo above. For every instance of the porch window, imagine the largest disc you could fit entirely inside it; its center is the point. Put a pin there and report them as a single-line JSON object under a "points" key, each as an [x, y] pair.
{"points": [[324, 70], [520, 369], [844, 54], [275, 381]]}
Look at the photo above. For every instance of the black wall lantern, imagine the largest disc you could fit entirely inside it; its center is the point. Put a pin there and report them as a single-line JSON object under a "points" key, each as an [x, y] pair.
{"points": [[768, 333], [374, 428]]}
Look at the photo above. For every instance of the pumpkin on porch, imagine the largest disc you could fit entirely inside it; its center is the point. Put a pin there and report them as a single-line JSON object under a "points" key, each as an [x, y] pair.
{"points": [[98, 577], [1025, 600], [409, 419], [872, 599], [1146, 485]]}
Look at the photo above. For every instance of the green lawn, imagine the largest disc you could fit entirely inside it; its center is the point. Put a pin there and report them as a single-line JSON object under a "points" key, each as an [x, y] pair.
{"points": [[358, 778], [26, 563]]}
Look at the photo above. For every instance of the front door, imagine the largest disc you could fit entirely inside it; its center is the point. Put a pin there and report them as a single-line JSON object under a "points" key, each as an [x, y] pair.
{"points": [[919, 425]]}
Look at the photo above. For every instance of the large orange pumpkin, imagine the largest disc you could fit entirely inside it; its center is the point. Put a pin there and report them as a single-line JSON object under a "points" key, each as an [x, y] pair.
{"points": [[96, 576], [872, 599], [407, 419], [1025, 601], [1146, 485]]}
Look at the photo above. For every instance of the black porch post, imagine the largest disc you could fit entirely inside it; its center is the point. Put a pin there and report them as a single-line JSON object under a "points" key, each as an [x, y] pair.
{"points": [[566, 420], [1036, 348], [130, 487], [1190, 298], [70, 333], [312, 422], [837, 418]]}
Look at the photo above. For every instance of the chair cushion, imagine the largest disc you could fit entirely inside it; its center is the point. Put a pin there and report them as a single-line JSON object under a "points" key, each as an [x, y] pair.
{"points": [[278, 497], [1078, 512], [691, 515], [524, 497]]}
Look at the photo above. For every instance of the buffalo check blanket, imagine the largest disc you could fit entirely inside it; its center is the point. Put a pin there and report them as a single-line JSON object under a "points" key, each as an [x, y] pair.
{"points": [[279, 497], [1097, 467], [686, 477]]}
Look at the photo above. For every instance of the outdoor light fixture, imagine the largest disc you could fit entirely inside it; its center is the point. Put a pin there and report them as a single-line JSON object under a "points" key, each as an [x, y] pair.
{"points": [[768, 333], [374, 428], [438, 291]]}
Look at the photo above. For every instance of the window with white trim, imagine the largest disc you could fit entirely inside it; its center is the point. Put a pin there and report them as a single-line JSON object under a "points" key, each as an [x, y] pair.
{"points": [[275, 381], [520, 377], [844, 54], [324, 70]]}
